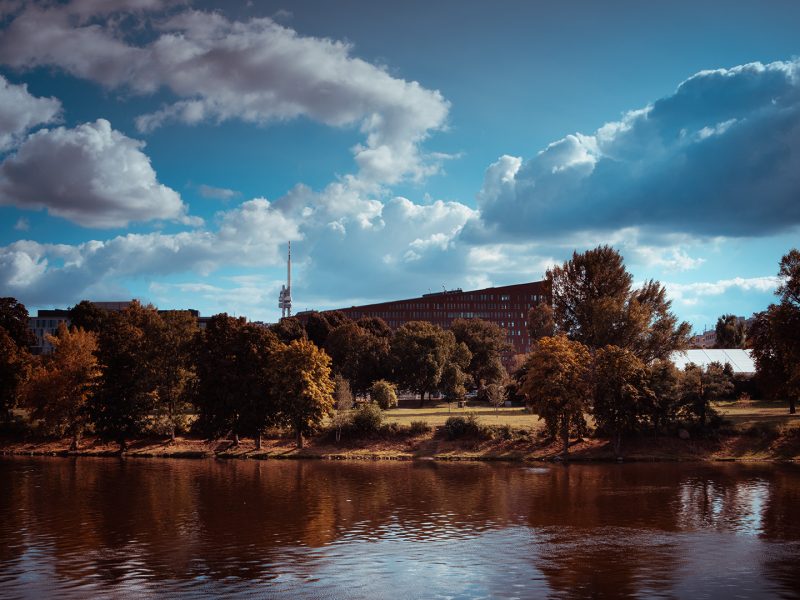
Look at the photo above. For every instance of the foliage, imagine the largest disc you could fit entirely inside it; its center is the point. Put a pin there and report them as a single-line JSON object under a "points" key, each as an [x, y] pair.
{"points": [[458, 427], [594, 303], [541, 321], [495, 394], [304, 386], [86, 315], [620, 392], [700, 387], [127, 395], [775, 336], [384, 394], [289, 329], [486, 341], [557, 384], [420, 351], [418, 427], [367, 420], [59, 388], [664, 400], [730, 332], [342, 396], [14, 366], [14, 319], [376, 326], [358, 355]]}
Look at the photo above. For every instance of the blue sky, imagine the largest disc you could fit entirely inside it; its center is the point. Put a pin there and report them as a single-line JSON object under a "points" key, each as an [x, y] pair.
{"points": [[168, 150]]}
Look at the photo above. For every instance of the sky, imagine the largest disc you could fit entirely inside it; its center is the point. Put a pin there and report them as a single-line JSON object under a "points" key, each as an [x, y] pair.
{"points": [[169, 150]]}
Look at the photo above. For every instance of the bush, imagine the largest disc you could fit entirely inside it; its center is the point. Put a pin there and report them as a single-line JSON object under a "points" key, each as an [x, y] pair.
{"points": [[418, 427], [458, 427], [367, 419], [384, 394]]}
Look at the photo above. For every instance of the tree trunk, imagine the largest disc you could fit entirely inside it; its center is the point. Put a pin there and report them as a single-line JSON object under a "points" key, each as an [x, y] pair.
{"points": [[299, 439], [792, 406], [236, 439], [617, 443], [73, 447], [565, 436], [258, 442], [172, 434], [123, 445], [421, 399]]}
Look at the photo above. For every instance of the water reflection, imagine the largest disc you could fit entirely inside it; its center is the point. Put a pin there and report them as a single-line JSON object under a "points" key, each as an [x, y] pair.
{"points": [[313, 528]]}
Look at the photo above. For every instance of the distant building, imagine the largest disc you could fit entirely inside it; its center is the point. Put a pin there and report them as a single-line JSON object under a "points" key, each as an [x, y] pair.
{"points": [[507, 306], [707, 339], [741, 361]]}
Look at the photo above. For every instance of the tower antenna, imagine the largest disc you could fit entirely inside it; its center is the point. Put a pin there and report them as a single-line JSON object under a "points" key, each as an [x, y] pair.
{"points": [[285, 295]]}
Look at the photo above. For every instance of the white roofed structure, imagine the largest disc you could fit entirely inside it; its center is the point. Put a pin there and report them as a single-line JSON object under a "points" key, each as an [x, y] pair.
{"points": [[740, 360]]}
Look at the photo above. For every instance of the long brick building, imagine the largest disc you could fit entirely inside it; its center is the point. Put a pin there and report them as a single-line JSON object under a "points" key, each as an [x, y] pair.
{"points": [[507, 306]]}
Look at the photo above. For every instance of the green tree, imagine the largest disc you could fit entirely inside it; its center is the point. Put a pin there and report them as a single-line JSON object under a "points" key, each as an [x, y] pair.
{"points": [[731, 332], [384, 394], [376, 326], [87, 316], [302, 379], [664, 401], [15, 320], [541, 321], [59, 388], [620, 392], [775, 336], [486, 342], [125, 399], [175, 340], [420, 351], [701, 387], [358, 355], [594, 303], [318, 328], [14, 367], [557, 385], [289, 329]]}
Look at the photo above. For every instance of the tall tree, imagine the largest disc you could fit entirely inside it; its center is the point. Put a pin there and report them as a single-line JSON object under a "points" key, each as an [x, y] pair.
{"points": [[59, 388], [289, 329], [358, 355], [174, 340], [420, 351], [486, 342], [14, 367], [541, 321], [376, 326], [594, 303], [557, 385], [126, 397], [87, 316], [731, 332], [318, 328], [302, 380], [15, 320], [663, 403], [620, 392], [455, 377], [701, 387]]}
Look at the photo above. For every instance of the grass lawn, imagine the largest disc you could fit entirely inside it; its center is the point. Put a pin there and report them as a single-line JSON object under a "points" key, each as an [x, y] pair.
{"points": [[743, 413], [436, 414]]}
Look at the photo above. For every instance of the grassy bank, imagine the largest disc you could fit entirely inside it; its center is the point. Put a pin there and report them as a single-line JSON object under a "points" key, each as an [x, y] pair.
{"points": [[753, 431]]}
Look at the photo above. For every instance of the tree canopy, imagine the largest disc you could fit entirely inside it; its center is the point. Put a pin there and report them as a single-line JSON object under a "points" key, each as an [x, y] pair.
{"points": [[486, 341], [731, 332], [420, 351]]}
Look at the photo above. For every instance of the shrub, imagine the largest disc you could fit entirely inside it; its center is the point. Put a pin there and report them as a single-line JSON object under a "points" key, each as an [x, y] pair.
{"points": [[458, 427], [384, 394], [418, 427], [367, 419]]}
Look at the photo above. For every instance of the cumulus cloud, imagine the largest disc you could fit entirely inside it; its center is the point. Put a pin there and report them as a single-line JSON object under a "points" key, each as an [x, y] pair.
{"points": [[720, 156], [20, 112], [215, 193], [91, 175], [257, 71], [60, 273], [690, 293]]}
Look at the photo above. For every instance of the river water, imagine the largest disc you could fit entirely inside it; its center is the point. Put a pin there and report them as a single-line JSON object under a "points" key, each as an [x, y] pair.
{"points": [[133, 528]]}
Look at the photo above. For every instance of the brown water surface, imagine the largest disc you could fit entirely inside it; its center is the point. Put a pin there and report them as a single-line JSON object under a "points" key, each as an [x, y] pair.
{"points": [[77, 528]]}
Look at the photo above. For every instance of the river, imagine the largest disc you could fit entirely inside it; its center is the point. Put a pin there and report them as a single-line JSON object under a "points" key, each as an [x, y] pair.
{"points": [[132, 528]]}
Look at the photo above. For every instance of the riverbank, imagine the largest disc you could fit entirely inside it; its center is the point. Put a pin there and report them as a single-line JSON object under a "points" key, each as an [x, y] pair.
{"points": [[754, 443]]}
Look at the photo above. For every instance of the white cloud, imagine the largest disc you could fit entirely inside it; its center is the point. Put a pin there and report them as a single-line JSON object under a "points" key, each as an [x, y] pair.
{"points": [[216, 193], [690, 293], [20, 112], [719, 156], [22, 224], [257, 71], [91, 175]]}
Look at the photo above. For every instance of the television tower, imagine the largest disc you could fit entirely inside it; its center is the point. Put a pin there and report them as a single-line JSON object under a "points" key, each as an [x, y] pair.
{"points": [[285, 296]]}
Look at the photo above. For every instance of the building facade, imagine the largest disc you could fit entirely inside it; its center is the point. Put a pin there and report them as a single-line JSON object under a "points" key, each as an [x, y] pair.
{"points": [[507, 306]]}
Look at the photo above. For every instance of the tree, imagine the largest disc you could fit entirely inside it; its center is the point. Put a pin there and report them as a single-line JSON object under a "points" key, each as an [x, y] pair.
{"points": [[14, 366], [495, 396], [486, 342], [289, 329], [454, 379], [127, 393], [236, 392], [87, 316], [420, 351], [317, 328], [384, 394], [358, 355], [663, 403], [302, 379], [775, 336], [557, 385], [620, 392], [15, 320], [700, 387], [376, 326], [731, 332], [60, 387], [541, 322], [343, 401], [594, 303], [174, 341]]}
